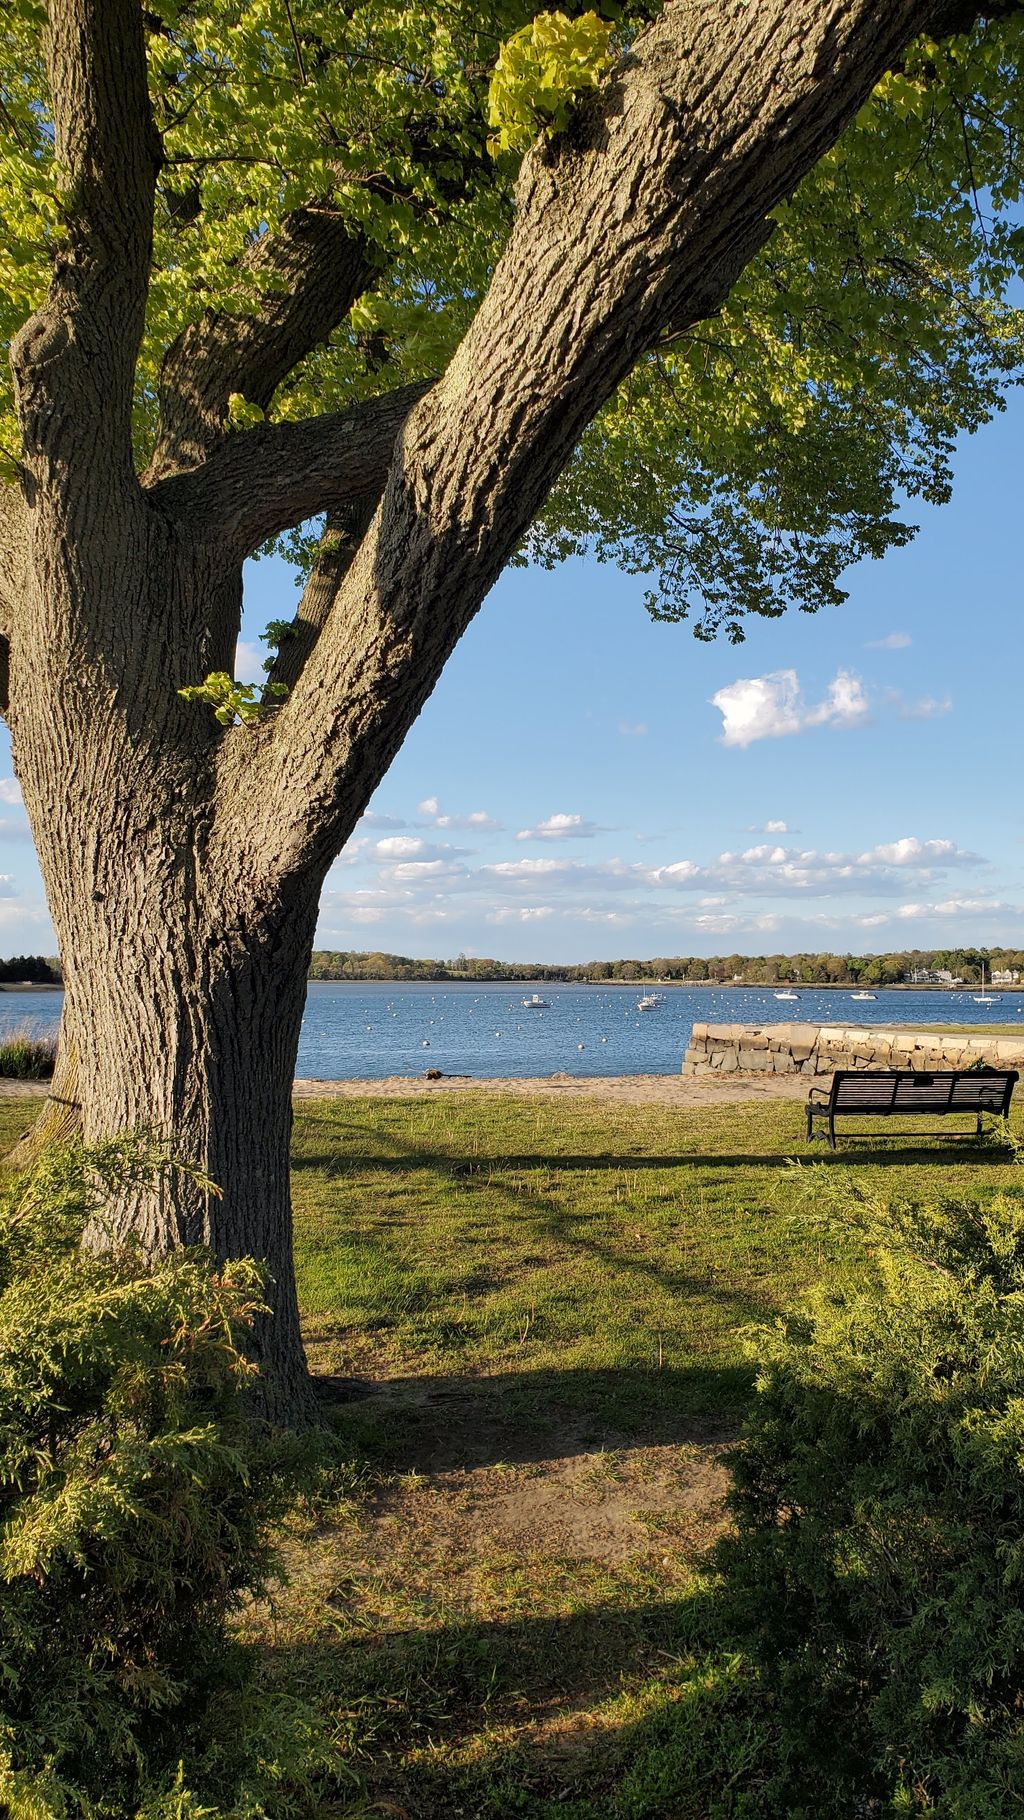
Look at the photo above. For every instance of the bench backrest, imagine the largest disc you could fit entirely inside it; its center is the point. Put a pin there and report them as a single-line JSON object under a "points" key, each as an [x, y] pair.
{"points": [[905, 1090]]}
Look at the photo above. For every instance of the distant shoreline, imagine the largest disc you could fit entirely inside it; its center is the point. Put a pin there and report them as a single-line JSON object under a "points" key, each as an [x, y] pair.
{"points": [[677, 985], [602, 985]]}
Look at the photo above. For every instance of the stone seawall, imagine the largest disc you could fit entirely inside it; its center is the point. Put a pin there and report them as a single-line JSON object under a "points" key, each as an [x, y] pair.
{"points": [[821, 1048]]}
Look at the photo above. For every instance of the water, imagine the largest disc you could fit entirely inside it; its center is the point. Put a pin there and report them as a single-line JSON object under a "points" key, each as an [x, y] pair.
{"points": [[364, 1032]]}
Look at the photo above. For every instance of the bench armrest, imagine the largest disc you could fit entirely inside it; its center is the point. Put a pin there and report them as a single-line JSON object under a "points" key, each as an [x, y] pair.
{"points": [[824, 1091]]}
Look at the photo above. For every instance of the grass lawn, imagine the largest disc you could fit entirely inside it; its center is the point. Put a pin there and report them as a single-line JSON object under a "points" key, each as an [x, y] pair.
{"points": [[509, 1613], [534, 1316]]}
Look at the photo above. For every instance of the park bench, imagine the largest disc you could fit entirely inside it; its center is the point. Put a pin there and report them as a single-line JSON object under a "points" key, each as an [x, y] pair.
{"points": [[893, 1092]]}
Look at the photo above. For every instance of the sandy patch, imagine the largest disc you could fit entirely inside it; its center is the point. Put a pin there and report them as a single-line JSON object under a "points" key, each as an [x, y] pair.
{"points": [[612, 1090], [616, 1089]]}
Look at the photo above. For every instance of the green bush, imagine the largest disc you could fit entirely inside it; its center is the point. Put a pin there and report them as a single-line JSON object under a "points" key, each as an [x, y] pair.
{"points": [[874, 1580], [135, 1500]]}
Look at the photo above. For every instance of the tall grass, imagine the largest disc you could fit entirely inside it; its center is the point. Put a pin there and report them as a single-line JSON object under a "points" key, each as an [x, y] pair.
{"points": [[27, 1053]]}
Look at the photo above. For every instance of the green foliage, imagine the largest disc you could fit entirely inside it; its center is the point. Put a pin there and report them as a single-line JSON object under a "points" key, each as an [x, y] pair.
{"points": [[540, 74], [744, 465], [134, 1505], [231, 701], [875, 1579], [27, 1056]]}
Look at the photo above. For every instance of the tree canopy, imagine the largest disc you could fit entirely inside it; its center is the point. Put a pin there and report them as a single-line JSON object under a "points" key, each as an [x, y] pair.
{"points": [[743, 464]]}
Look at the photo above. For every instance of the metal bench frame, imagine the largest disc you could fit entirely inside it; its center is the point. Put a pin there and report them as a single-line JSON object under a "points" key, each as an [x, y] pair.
{"points": [[944, 1083]]}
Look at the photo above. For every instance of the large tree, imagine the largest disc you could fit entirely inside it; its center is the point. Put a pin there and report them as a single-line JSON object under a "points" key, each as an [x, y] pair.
{"points": [[266, 265]]}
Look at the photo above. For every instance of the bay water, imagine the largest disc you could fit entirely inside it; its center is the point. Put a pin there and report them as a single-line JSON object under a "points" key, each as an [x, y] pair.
{"points": [[366, 1031]]}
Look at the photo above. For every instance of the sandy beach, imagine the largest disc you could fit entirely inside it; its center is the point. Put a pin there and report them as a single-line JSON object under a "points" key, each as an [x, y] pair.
{"points": [[616, 1089]]}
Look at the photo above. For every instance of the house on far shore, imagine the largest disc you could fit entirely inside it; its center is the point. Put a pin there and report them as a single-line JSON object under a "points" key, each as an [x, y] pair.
{"points": [[934, 976]]}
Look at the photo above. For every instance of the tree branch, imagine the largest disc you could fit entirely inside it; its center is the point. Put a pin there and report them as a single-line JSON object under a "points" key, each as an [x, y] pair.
{"points": [[264, 480], [642, 216], [310, 273], [74, 361], [343, 533]]}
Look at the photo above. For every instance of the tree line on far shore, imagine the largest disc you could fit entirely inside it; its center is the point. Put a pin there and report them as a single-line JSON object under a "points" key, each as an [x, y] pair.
{"points": [[894, 969], [964, 964], [30, 969]]}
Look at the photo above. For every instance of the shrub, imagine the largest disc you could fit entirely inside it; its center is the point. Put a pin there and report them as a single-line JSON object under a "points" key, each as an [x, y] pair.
{"points": [[874, 1580], [27, 1055], [134, 1506]]}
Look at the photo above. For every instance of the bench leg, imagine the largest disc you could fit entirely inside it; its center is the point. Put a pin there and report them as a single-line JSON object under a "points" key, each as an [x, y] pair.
{"points": [[832, 1130]]}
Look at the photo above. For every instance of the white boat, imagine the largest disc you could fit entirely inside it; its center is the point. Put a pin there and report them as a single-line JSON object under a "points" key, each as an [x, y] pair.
{"points": [[862, 995], [536, 1003], [649, 1002], [983, 997], [787, 995]]}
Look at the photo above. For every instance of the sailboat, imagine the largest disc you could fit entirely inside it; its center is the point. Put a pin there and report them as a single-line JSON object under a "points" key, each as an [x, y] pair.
{"points": [[983, 997]]}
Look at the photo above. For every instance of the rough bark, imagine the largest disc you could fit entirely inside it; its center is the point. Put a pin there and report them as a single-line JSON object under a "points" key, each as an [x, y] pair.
{"points": [[182, 863], [318, 268]]}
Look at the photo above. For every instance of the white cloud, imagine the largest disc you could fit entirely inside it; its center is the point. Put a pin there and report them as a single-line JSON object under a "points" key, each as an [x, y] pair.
{"points": [[893, 641], [953, 906], [772, 706], [928, 707], [775, 828], [398, 846], [249, 661], [372, 820], [522, 913], [10, 790], [909, 851], [632, 730], [478, 820], [561, 827]]}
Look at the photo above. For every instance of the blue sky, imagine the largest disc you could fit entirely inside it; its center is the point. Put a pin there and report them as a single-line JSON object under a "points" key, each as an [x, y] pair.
{"points": [[586, 783]]}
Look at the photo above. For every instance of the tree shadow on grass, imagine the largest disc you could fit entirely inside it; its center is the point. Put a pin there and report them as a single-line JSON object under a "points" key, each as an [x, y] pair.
{"points": [[868, 1151], [453, 1422], [522, 1689]]}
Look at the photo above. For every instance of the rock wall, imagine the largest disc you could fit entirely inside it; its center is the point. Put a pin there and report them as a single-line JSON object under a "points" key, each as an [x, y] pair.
{"points": [[821, 1048]]}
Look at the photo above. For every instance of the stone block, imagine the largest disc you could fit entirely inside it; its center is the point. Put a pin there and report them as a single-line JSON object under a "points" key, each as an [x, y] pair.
{"points": [[751, 1060]]}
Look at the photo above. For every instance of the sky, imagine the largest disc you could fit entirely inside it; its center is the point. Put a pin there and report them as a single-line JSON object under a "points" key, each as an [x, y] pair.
{"points": [[586, 783]]}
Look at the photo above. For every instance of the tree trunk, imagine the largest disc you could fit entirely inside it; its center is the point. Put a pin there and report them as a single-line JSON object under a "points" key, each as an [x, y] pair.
{"points": [[184, 961], [186, 1024]]}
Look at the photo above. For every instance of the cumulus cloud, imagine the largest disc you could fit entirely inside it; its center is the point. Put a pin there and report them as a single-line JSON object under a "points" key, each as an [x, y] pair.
{"points": [[561, 827], [773, 706], [774, 828], [398, 846], [893, 641], [477, 820], [909, 851]]}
